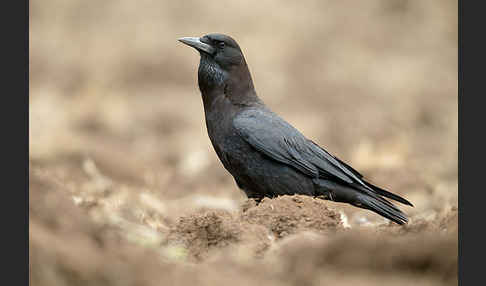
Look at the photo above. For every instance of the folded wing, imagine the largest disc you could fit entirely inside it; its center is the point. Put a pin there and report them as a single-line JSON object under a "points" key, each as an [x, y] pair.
{"points": [[271, 135]]}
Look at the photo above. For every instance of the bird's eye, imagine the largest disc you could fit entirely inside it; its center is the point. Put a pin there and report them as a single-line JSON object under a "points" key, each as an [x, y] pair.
{"points": [[221, 45]]}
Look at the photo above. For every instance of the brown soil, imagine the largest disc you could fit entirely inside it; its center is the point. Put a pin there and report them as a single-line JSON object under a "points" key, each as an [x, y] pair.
{"points": [[290, 240]]}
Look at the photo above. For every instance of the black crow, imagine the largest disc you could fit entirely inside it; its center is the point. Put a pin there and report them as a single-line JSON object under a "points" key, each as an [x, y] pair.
{"points": [[266, 155]]}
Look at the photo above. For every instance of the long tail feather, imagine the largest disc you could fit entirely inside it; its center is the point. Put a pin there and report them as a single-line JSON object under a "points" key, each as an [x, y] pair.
{"points": [[379, 207], [389, 195], [357, 197]]}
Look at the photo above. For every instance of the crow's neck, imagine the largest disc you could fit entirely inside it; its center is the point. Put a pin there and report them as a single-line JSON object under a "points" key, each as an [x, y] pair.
{"points": [[217, 85]]}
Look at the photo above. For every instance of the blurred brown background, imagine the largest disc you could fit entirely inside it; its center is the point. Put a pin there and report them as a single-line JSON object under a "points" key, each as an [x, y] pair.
{"points": [[122, 169]]}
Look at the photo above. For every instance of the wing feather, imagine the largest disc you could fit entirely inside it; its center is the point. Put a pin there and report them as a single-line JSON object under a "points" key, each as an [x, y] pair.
{"points": [[274, 137], [271, 135]]}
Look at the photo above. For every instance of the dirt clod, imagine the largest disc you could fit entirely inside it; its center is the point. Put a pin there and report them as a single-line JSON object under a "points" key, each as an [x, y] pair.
{"points": [[286, 215]]}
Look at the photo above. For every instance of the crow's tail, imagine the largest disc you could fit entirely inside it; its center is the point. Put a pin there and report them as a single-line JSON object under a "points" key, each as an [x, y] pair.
{"points": [[381, 207], [365, 200], [389, 195]]}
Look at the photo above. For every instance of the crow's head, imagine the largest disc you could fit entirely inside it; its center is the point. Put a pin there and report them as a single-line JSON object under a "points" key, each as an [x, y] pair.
{"points": [[222, 62], [219, 48]]}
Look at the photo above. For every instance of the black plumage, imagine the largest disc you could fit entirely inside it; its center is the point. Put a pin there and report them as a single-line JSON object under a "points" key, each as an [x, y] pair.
{"points": [[266, 155]]}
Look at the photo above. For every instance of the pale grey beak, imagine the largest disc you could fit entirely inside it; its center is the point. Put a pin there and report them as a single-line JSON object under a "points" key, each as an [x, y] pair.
{"points": [[196, 43]]}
